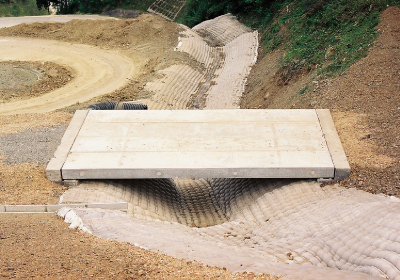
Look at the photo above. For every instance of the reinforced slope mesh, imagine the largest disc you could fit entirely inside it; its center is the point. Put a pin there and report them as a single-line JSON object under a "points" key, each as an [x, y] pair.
{"points": [[168, 9]]}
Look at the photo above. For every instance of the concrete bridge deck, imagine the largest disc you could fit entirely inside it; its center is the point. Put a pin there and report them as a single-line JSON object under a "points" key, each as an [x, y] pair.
{"points": [[199, 144]]}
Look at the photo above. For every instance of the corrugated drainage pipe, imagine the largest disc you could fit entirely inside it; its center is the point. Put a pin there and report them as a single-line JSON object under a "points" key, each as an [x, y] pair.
{"points": [[117, 106]]}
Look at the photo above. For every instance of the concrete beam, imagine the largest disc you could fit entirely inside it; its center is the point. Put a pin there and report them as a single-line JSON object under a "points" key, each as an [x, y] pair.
{"points": [[53, 169], [342, 167], [123, 206]]}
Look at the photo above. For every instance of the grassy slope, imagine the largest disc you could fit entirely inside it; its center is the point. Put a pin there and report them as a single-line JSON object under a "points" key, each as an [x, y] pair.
{"points": [[322, 35], [20, 8], [325, 35]]}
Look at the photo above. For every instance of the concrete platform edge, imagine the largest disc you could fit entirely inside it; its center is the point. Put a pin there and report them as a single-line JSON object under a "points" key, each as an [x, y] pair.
{"points": [[123, 206], [305, 173], [53, 169], [342, 167]]}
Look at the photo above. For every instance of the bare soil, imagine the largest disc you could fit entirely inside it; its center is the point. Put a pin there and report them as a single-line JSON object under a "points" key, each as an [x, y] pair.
{"points": [[23, 80], [41, 245], [364, 101], [147, 40]]}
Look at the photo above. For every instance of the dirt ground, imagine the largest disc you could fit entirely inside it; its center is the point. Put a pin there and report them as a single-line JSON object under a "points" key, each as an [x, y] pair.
{"points": [[365, 103], [24, 80], [148, 41], [40, 245]]}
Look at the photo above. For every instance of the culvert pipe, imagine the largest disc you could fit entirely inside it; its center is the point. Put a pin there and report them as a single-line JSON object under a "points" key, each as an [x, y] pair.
{"points": [[109, 105]]}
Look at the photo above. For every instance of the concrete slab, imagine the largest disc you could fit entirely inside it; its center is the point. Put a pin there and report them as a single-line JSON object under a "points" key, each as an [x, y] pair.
{"points": [[199, 143], [123, 206], [53, 169], [342, 167], [56, 207], [109, 206], [25, 208]]}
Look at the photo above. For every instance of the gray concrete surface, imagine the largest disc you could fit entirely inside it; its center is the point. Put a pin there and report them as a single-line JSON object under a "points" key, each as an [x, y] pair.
{"points": [[123, 206], [342, 167], [196, 144], [53, 169]]}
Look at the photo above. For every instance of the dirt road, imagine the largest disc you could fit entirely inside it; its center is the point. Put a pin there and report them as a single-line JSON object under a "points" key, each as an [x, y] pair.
{"points": [[95, 71]]}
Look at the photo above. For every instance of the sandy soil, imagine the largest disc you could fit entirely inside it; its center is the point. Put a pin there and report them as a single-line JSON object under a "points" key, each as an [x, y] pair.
{"points": [[364, 101], [135, 47], [94, 72], [41, 246]]}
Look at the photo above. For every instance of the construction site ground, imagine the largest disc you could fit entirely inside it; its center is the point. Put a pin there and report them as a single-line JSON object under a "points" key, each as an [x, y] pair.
{"points": [[365, 104]]}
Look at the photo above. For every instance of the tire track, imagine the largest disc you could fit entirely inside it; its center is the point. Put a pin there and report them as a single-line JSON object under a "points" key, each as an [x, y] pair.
{"points": [[96, 72]]}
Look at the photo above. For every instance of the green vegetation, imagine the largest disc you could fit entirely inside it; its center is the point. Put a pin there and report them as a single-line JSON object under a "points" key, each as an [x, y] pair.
{"points": [[93, 6], [14, 8], [314, 34], [327, 36]]}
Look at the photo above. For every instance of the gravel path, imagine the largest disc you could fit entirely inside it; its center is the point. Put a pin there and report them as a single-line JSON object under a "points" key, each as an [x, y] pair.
{"points": [[32, 145]]}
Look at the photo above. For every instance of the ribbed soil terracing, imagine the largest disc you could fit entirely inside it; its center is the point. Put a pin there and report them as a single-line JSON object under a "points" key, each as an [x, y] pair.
{"points": [[297, 229], [256, 224], [174, 89], [240, 55], [226, 49], [221, 30]]}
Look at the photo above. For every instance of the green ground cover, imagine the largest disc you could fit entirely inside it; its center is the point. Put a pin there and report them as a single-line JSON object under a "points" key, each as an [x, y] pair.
{"points": [[15, 8]]}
